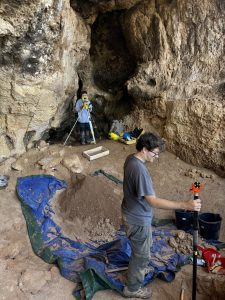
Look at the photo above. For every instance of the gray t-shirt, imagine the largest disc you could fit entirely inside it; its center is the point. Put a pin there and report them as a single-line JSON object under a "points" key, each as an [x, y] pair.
{"points": [[137, 183]]}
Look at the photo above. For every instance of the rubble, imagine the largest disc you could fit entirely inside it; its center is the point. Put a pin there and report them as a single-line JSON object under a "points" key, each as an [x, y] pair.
{"points": [[182, 242]]}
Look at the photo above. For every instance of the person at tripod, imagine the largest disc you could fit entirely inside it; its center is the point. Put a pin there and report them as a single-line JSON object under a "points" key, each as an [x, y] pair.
{"points": [[83, 108]]}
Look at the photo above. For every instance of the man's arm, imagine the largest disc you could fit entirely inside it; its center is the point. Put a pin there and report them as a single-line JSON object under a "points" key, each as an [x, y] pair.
{"points": [[168, 204], [79, 105]]}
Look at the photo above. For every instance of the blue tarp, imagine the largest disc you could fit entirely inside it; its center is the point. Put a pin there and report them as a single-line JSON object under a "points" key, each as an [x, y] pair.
{"points": [[82, 262]]}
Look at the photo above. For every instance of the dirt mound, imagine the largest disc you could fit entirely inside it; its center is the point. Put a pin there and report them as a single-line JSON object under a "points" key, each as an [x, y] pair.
{"points": [[89, 208]]}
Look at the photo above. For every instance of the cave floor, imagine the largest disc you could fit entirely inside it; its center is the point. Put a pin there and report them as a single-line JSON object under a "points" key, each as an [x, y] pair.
{"points": [[25, 276]]}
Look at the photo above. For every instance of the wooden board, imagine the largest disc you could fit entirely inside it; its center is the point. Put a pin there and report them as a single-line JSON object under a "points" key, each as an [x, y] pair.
{"points": [[96, 152]]}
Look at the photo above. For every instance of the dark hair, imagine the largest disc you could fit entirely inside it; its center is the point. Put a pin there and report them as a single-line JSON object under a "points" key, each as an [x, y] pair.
{"points": [[83, 92], [150, 141]]}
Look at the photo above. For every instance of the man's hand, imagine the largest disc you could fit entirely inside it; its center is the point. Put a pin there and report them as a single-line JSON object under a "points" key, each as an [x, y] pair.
{"points": [[86, 106], [168, 204], [193, 205]]}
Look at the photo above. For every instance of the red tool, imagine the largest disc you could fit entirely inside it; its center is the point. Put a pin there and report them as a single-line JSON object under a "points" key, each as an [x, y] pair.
{"points": [[196, 187], [210, 255], [215, 262]]}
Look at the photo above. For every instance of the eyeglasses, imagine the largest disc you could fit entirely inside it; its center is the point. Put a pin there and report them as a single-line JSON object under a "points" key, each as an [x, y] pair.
{"points": [[155, 153]]}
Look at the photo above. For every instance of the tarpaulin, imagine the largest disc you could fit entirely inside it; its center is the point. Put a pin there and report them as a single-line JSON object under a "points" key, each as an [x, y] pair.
{"points": [[82, 262]]}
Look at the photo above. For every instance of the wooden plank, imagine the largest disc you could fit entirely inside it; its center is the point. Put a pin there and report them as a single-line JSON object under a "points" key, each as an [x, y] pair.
{"points": [[95, 153]]}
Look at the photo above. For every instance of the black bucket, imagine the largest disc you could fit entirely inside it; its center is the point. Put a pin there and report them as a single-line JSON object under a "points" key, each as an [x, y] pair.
{"points": [[209, 225], [184, 219]]}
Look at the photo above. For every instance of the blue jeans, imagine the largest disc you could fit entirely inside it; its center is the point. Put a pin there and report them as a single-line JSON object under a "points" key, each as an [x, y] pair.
{"points": [[84, 132], [140, 240]]}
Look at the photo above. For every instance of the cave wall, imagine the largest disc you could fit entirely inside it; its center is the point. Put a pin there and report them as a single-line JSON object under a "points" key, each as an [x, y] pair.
{"points": [[179, 46], [160, 64], [42, 42], [179, 86]]}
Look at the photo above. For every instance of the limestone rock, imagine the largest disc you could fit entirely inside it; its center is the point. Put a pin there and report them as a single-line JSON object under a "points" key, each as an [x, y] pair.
{"points": [[173, 243], [90, 9], [49, 162], [55, 273], [182, 242], [201, 145], [33, 281], [9, 286], [12, 250], [73, 163], [6, 28], [5, 166], [37, 71], [183, 72], [19, 164], [181, 235], [42, 145]]}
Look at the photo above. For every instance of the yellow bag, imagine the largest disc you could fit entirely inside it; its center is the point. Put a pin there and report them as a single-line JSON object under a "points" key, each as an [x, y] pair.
{"points": [[113, 136]]}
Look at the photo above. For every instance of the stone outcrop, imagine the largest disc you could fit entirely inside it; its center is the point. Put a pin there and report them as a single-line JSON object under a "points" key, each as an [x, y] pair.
{"points": [[42, 42], [179, 88], [159, 62]]}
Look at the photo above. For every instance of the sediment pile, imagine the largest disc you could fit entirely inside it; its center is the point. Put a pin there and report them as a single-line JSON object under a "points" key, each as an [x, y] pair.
{"points": [[89, 209]]}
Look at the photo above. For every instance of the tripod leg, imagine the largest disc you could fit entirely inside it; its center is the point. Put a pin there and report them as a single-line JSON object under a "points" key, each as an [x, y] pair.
{"points": [[92, 132], [70, 132]]}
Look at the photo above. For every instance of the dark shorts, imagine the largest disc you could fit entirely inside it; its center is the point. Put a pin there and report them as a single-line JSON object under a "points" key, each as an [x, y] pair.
{"points": [[84, 126]]}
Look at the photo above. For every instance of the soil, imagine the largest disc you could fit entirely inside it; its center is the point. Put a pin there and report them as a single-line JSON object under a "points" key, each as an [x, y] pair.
{"points": [[88, 205], [89, 210]]}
